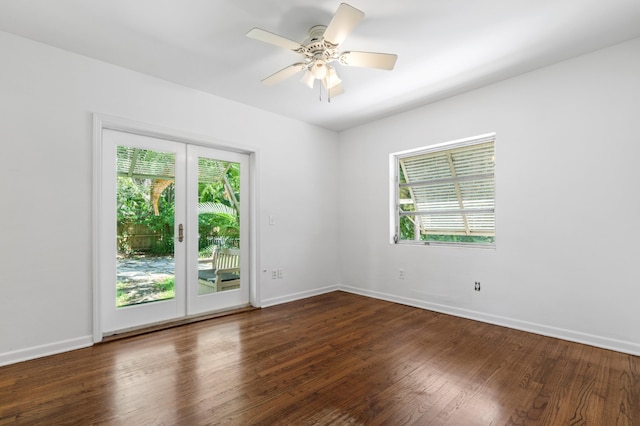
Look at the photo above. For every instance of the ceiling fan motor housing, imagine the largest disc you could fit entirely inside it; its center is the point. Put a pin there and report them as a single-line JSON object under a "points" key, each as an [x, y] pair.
{"points": [[318, 52], [315, 33]]}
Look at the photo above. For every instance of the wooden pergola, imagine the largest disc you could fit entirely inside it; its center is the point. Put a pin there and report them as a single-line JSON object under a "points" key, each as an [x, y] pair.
{"points": [[159, 167]]}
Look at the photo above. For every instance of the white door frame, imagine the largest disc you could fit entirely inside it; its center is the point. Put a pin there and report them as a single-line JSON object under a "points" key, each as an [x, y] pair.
{"points": [[100, 122]]}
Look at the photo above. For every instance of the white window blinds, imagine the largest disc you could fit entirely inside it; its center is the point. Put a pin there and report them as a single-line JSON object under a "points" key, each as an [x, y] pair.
{"points": [[448, 191]]}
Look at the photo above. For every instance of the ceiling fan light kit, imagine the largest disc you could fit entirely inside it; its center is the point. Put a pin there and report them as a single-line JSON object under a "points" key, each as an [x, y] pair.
{"points": [[320, 49]]}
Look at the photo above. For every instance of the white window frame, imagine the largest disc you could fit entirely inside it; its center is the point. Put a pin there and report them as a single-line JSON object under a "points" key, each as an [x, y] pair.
{"points": [[395, 187]]}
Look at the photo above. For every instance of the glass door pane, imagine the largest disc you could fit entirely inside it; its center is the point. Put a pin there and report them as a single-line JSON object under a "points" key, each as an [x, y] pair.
{"points": [[145, 207], [217, 272], [218, 225]]}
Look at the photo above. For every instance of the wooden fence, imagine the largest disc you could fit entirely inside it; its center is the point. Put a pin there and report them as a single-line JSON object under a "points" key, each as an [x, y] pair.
{"points": [[137, 237]]}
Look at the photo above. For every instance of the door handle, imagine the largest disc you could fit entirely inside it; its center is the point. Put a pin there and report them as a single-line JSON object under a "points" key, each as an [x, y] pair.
{"points": [[180, 233]]}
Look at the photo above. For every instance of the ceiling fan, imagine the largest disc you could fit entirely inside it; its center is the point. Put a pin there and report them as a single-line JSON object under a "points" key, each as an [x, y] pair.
{"points": [[320, 49]]}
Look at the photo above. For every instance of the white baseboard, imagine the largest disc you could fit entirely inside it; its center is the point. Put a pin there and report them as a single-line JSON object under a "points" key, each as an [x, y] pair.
{"points": [[544, 330], [297, 296], [45, 350], [559, 333]]}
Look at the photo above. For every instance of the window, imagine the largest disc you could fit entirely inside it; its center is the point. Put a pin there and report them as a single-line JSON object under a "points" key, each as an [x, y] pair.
{"points": [[445, 194]]}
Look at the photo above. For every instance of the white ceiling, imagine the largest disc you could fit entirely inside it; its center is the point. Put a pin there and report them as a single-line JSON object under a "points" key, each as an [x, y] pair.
{"points": [[444, 47]]}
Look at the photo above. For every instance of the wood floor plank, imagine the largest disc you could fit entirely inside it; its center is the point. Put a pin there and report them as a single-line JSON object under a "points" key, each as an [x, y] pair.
{"points": [[337, 358]]}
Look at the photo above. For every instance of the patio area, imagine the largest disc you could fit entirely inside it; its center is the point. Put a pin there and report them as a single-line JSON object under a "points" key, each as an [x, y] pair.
{"points": [[141, 269], [143, 279]]}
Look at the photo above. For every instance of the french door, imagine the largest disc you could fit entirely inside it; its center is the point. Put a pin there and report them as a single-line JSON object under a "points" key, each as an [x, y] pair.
{"points": [[173, 234]]}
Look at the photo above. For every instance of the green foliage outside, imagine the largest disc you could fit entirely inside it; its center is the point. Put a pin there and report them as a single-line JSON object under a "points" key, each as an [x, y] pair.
{"points": [[134, 207], [218, 218], [218, 223]]}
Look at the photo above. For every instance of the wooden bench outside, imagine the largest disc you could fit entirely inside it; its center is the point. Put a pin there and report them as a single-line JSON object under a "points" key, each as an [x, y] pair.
{"points": [[224, 273]]}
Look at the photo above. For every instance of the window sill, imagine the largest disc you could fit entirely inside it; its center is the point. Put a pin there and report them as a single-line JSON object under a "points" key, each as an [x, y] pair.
{"points": [[445, 244]]}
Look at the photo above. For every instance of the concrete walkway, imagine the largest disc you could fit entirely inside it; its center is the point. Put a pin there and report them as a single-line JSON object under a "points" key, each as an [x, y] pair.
{"points": [[144, 269]]}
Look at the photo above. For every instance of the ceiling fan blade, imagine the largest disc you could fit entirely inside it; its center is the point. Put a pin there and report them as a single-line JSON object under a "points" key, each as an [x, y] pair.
{"points": [[343, 22], [383, 61], [283, 74], [268, 37]]}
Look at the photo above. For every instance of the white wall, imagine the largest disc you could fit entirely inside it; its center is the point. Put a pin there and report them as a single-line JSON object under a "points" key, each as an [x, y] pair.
{"points": [[568, 204], [47, 97]]}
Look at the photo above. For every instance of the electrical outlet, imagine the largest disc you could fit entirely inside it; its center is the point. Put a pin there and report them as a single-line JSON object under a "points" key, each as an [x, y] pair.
{"points": [[274, 274], [280, 273], [401, 273], [477, 286]]}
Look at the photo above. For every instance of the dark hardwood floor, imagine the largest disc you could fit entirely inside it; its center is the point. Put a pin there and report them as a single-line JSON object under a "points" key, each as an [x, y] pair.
{"points": [[331, 359]]}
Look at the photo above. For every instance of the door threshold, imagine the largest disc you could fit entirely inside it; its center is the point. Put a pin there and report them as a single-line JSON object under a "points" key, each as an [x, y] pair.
{"points": [[136, 331]]}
